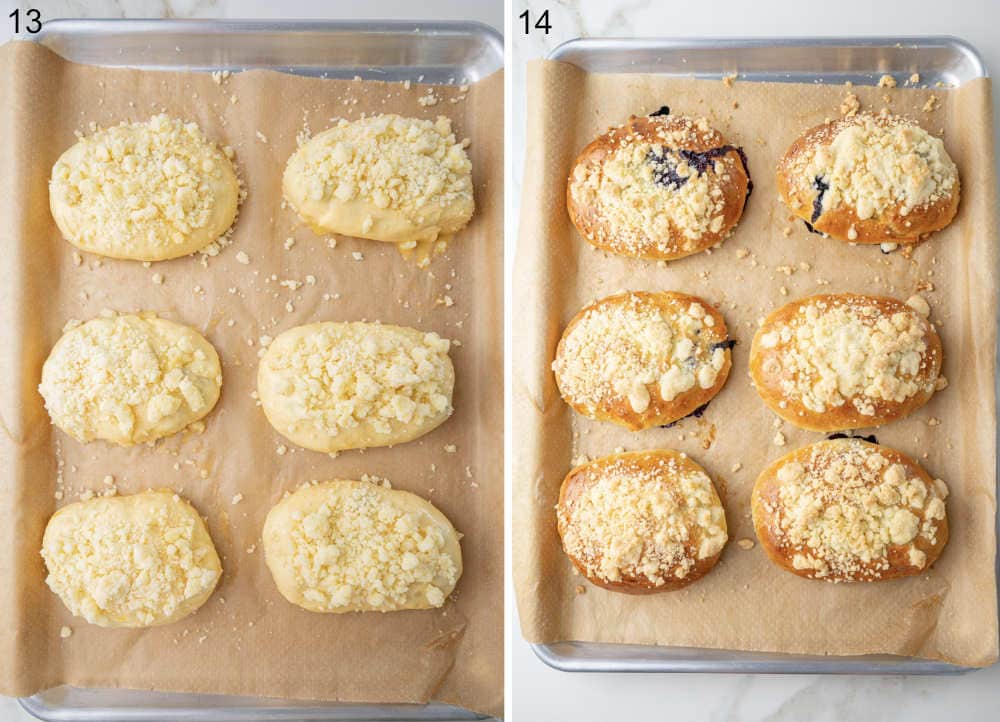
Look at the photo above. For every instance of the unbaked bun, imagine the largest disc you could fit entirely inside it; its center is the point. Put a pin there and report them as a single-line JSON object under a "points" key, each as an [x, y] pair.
{"points": [[146, 191], [350, 546], [643, 359], [333, 386], [845, 361], [644, 521], [659, 186], [130, 561], [389, 178], [870, 179], [130, 379], [846, 510]]}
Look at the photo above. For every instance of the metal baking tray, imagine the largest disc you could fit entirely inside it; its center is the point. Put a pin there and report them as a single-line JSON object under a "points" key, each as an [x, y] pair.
{"points": [[429, 52], [862, 61]]}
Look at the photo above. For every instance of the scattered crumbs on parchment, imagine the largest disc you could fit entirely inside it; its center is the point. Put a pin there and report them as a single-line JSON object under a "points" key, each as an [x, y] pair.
{"points": [[850, 106]]}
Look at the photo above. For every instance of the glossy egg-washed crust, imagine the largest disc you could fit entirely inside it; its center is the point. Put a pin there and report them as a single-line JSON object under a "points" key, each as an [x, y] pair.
{"points": [[576, 483], [890, 226], [766, 490], [660, 412], [653, 129], [845, 416]]}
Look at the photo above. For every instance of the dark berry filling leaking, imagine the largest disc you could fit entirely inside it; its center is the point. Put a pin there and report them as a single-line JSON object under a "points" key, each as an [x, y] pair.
{"points": [[697, 414], [822, 186], [870, 438], [727, 344], [665, 164], [812, 229], [664, 110]]}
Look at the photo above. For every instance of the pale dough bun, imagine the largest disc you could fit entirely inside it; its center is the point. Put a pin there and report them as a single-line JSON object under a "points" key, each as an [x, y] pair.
{"points": [[386, 178], [870, 179], [643, 359], [353, 546], [847, 510], [130, 561], [129, 379], [659, 186], [846, 361], [144, 191], [640, 522], [333, 386]]}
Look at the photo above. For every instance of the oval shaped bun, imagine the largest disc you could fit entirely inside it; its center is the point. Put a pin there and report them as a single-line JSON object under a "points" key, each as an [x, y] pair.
{"points": [[385, 178], [870, 179], [130, 561], [846, 510], [130, 379], [333, 386], [353, 546], [643, 359], [641, 522], [659, 186], [145, 191], [845, 361]]}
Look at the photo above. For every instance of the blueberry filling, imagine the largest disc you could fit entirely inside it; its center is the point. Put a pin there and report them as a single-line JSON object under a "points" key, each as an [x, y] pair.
{"points": [[812, 229], [665, 171], [665, 165], [664, 110], [697, 413], [870, 438], [727, 344], [822, 186]]}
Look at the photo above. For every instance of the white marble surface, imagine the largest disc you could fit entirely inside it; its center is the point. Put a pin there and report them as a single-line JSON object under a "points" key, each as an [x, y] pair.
{"points": [[485, 11], [539, 693]]}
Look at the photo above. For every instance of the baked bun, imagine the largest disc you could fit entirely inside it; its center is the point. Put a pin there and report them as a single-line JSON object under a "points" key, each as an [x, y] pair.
{"points": [[845, 361], [659, 186], [643, 359], [870, 179], [846, 510], [641, 522]]}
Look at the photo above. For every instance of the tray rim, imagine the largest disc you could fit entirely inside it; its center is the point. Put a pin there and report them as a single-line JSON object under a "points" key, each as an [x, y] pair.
{"points": [[678, 43], [211, 26], [311, 710], [599, 656]]}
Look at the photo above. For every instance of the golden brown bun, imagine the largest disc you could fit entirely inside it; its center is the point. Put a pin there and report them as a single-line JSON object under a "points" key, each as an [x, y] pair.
{"points": [[618, 503], [641, 225], [610, 340], [775, 518], [779, 375], [895, 223]]}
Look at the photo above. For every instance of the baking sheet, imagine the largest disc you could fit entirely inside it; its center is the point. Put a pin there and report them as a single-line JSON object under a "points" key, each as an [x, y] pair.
{"points": [[247, 640], [747, 604]]}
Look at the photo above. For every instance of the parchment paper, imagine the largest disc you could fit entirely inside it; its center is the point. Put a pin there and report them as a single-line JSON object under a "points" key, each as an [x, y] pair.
{"points": [[247, 639], [747, 603]]}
